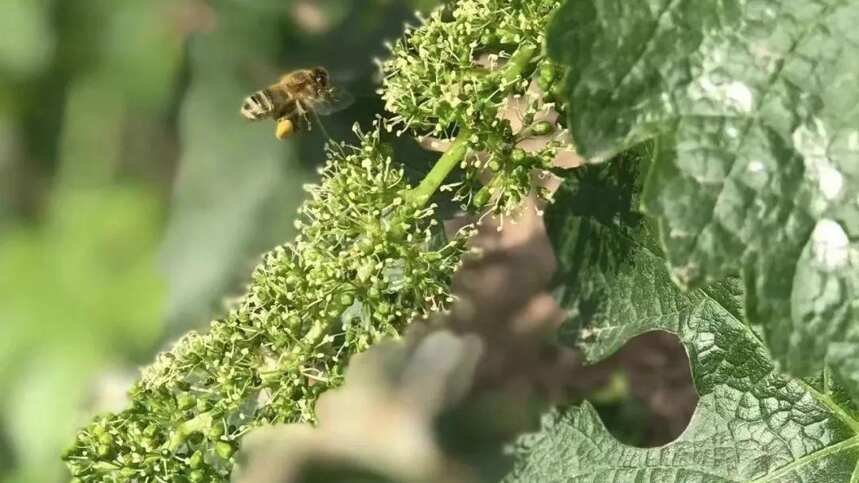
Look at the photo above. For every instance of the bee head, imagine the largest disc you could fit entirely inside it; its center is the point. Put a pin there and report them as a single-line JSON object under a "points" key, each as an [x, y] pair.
{"points": [[320, 75]]}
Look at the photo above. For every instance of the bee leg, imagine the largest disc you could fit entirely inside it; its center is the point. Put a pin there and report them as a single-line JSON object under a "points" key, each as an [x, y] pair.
{"points": [[302, 114], [307, 124]]}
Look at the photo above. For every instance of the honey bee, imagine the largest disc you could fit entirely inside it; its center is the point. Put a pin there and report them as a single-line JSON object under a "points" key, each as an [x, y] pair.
{"points": [[295, 97]]}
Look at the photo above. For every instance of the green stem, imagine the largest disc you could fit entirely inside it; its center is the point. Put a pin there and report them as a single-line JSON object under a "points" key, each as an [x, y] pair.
{"points": [[420, 194], [517, 63]]}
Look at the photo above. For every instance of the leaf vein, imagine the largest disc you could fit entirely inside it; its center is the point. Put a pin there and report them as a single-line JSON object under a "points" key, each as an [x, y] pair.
{"points": [[810, 458]]}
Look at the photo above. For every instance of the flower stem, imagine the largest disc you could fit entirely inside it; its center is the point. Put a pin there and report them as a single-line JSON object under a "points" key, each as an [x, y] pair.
{"points": [[420, 194]]}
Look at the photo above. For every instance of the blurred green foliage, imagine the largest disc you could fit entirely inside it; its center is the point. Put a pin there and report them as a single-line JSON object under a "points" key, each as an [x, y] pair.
{"points": [[133, 197], [80, 294]]}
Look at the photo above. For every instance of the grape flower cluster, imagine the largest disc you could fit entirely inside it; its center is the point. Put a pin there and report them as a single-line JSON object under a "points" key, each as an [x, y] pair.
{"points": [[366, 262], [370, 256]]}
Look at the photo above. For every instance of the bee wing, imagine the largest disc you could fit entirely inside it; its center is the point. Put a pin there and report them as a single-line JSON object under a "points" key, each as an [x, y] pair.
{"points": [[336, 99]]}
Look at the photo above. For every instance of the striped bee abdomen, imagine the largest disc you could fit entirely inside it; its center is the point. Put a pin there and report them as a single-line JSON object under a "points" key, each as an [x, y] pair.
{"points": [[258, 105]]}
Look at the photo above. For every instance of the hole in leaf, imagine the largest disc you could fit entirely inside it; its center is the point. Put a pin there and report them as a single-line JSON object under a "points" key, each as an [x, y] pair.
{"points": [[643, 393]]}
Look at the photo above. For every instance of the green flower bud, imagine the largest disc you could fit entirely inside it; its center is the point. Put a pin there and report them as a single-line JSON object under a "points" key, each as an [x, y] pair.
{"points": [[383, 308], [546, 75], [196, 460], [185, 401], [215, 432], [224, 449], [202, 404], [103, 450], [105, 439], [542, 128], [518, 155]]}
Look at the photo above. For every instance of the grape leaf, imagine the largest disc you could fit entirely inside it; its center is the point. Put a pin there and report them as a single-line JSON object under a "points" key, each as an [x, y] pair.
{"points": [[751, 423], [756, 108]]}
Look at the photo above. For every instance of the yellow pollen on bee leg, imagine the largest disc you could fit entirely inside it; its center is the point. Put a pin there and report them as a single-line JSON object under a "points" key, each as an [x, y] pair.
{"points": [[285, 127]]}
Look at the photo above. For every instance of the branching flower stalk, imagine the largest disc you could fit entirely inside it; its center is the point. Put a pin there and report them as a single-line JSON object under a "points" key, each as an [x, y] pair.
{"points": [[366, 262]]}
